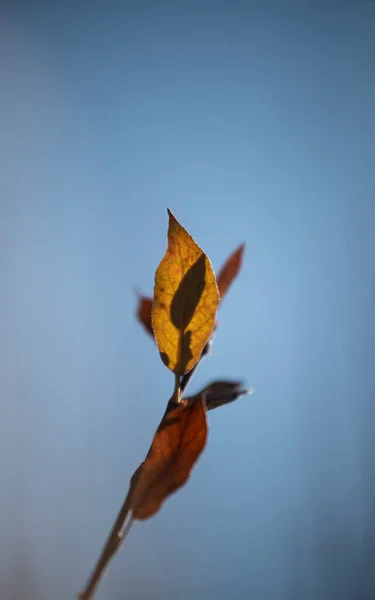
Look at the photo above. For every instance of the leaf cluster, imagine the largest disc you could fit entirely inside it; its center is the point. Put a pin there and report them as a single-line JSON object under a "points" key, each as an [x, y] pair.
{"points": [[181, 318]]}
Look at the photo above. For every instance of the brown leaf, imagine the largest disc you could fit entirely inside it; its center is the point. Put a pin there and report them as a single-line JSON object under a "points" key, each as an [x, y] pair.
{"points": [[144, 310], [229, 270], [175, 449], [219, 393]]}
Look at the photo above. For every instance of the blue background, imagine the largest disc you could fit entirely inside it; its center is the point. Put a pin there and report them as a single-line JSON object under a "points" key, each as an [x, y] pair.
{"points": [[253, 122]]}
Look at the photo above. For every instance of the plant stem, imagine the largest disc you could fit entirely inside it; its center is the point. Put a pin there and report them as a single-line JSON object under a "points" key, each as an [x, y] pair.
{"points": [[118, 532], [114, 540], [176, 396]]}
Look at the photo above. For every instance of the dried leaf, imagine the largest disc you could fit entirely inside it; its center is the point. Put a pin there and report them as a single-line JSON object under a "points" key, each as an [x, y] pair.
{"points": [[187, 377], [229, 270], [219, 393], [185, 301], [175, 449], [144, 310], [227, 274]]}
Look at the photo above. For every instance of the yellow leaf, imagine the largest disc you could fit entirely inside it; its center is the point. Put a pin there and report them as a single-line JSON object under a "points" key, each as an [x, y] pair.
{"points": [[186, 298]]}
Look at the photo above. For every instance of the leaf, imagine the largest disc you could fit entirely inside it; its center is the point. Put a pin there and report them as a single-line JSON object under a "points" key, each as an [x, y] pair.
{"points": [[175, 449], [144, 313], [229, 270], [186, 298], [219, 393], [187, 377], [227, 274]]}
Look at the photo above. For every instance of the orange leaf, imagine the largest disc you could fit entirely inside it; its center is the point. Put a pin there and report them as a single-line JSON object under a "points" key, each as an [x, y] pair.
{"points": [[144, 310], [186, 298], [229, 270], [175, 449]]}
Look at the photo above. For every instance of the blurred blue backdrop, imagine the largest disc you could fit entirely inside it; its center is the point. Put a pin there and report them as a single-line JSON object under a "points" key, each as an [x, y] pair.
{"points": [[253, 122]]}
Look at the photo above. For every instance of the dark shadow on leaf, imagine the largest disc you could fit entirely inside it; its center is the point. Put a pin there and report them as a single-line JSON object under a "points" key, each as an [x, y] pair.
{"points": [[165, 358], [187, 376], [186, 353], [173, 419], [188, 294]]}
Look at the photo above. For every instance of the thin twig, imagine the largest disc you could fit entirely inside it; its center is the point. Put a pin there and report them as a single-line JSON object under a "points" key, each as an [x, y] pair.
{"points": [[114, 540], [176, 396], [118, 532]]}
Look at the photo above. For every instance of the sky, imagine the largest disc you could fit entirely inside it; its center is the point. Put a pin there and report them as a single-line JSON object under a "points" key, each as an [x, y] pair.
{"points": [[253, 122]]}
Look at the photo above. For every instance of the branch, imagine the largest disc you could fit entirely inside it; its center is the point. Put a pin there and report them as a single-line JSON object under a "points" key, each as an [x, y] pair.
{"points": [[114, 540], [118, 531]]}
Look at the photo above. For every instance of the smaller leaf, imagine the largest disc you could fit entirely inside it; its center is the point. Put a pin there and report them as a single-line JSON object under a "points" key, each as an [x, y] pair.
{"points": [[144, 310], [219, 393], [230, 270], [176, 447]]}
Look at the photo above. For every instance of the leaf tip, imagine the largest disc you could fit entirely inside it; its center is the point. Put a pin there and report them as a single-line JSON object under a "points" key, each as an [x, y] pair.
{"points": [[172, 221], [240, 252], [171, 215], [230, 270]]}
